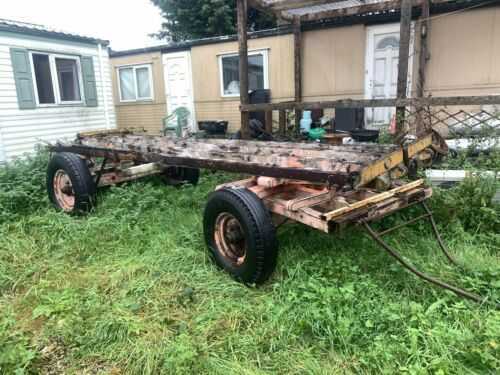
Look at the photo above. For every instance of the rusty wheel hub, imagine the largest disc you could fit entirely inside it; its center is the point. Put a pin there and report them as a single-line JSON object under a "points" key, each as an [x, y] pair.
{"points": [[230, 238], [63, 191]]}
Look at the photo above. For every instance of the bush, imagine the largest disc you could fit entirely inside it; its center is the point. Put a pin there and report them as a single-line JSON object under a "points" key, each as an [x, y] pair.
{"points": [[22, 186], [471, 202]]}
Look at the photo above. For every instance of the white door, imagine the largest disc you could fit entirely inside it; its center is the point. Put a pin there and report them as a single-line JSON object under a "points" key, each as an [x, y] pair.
{"points": [[381, 79], [179, 84]]}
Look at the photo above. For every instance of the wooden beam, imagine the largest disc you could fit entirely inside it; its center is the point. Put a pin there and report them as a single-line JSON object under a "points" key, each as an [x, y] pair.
{"points": [[424, 52], [404, 53], [376, 103], [423, 59], [297, 41], [269, 122], [351, 11], [282, 122], [242, 11], [298, 4], [282, 9]]}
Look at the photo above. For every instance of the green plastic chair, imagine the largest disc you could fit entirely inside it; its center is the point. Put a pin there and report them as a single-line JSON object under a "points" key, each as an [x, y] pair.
{"points": [[182, 114]]}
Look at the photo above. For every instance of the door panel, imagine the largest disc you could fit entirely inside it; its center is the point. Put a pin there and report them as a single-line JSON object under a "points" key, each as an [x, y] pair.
{"points": [[178, 83], [382, 57]]}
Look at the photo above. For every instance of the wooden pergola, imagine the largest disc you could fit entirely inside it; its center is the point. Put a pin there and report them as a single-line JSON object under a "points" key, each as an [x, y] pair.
{"points": [[297, 12]]}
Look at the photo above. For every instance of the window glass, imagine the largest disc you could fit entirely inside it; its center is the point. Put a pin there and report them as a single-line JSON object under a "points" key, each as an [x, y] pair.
{"points": [[230, 73], [390, 41], [43, 79], [255, 72], [127, 84], [143, 83], [67, 74]]}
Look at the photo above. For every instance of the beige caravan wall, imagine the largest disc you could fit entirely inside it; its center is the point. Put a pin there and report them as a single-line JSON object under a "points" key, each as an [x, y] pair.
{"points": [[465, 53], [210, 105], [141, 114], [333, 63], [464, 49], [333, 67]]}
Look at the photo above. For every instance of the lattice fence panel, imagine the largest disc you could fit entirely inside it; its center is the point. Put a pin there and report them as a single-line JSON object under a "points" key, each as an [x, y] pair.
{"points": [[455, 123]]}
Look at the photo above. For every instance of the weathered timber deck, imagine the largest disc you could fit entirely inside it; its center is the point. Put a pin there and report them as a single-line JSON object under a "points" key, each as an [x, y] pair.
{"points": [[304, 161]]}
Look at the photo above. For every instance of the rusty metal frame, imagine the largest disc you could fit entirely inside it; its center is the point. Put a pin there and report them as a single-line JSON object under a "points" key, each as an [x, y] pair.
{"points": [[315, 205]]}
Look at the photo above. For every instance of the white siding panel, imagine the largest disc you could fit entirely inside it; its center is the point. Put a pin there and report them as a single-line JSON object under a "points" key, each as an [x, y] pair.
{"points": [[22, 130]]}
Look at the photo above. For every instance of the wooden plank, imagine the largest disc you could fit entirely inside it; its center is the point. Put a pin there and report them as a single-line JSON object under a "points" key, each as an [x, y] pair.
{"points": [[376, 103], [303, 216], [372, 200], [336, 165], [354, 10], [257, 169], [273, 153], [297, 4], [404, 53], [297, 41], [242, 10], [142, 170]]}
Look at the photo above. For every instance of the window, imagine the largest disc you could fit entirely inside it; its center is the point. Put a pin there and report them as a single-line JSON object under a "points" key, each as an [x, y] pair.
{"points": [[229, 72], [67, 76], [135, 83], [57, 79]]}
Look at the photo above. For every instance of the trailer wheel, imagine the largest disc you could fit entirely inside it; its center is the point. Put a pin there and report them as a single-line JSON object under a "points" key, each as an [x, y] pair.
{"points": [[70, 185], [182, 175], [240, 235]]}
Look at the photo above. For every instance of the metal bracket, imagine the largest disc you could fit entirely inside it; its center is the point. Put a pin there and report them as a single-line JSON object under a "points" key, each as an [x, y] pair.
{"points": [[100, 172]]}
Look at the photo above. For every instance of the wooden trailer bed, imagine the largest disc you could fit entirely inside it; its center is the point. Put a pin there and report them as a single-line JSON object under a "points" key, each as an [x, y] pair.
{"points": [[351, 166]]}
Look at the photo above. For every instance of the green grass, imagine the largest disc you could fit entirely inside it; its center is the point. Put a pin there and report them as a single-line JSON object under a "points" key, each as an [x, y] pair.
{"points": [[130, 289]]}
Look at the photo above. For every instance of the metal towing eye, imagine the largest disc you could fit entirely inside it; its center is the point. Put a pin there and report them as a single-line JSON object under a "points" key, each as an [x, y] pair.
{"points": [[377, 236]]}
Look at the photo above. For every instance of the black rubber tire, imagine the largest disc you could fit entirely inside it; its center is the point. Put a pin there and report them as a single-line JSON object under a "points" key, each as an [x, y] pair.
{"points": [[183, 175], [256, 223], [78, 172]]}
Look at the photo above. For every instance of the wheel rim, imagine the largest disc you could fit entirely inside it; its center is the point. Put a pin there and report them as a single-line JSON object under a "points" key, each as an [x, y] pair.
{"points": [[63, 191], [230, 238]]}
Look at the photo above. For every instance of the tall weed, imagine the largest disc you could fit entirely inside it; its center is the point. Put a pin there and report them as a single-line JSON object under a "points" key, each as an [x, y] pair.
{"points": [[22, 186]]}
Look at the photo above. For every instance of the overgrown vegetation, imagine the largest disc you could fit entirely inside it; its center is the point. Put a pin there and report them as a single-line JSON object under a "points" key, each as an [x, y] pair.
{"points": [[130, 289]]}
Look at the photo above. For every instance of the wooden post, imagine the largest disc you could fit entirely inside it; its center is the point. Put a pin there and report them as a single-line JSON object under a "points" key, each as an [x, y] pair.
{"points": [[242, 11], [269, 122], [297, 39], [404, 53], [282, 122], [423, 59]]}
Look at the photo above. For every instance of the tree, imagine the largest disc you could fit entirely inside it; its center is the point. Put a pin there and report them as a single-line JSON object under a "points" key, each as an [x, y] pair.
{"points": [[195, 19]]}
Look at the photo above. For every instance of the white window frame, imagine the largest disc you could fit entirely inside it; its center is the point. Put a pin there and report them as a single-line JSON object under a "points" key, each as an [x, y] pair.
{"points": [[55, 79], [134, 68], [265, 58]]}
